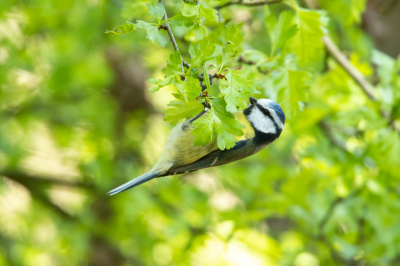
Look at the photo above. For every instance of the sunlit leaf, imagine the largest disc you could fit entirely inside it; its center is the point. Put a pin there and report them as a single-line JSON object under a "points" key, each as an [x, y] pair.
{"points": [[123, 29], [156, 9], [181, 109], [237, 90], [206, 128], [161, 83], [152, 33], [280, 31], [189, 88], [201, 52], [199, 31], [307, 43]]}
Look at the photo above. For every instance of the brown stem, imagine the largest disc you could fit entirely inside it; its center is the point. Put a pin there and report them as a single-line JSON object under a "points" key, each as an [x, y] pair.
{"points": [[350, 69], [172, 38]]}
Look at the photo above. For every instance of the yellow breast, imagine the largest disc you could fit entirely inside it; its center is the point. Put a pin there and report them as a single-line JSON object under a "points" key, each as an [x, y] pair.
{"points": [[248, 131]]}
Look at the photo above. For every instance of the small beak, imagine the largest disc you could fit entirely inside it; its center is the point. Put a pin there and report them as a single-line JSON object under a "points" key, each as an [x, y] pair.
{"points": [[253, 100]]}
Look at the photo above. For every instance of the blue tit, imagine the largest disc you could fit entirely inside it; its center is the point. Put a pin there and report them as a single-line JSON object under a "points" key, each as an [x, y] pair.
{"points": [[264, 120]]}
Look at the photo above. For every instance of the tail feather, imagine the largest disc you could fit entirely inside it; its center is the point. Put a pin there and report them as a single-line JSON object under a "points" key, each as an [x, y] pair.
{"points": [[133, 183]]}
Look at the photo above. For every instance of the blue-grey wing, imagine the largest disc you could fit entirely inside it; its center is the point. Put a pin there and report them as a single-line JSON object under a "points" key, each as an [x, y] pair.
{"points": [[241, 150]]}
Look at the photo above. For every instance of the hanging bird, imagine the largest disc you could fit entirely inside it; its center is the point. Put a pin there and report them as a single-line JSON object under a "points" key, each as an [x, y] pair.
{"points": [[264, 120]]}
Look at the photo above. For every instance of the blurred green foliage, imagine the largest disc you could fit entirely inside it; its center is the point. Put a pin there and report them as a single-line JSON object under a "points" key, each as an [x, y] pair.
{"points": [[77, 119]]}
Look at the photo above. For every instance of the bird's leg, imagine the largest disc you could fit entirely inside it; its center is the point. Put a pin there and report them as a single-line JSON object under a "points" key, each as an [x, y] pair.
{"points": [[187, 123]]}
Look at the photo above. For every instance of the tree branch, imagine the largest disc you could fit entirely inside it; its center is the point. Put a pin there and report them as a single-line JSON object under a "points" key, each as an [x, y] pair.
{"points": [[23, 178], [350, 69], [172, 38], [249, 4], [358, 77]]}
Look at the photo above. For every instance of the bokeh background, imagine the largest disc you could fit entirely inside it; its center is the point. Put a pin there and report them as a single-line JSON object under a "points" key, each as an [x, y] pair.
{"points": [[76, 120]]}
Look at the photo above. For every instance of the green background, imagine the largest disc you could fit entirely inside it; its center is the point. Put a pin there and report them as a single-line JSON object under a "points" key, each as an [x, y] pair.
{"points": [[77, 120]]}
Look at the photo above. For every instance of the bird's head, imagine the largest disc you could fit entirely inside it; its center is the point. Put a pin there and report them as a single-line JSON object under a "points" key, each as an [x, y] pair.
{"points": [[266, 116]]}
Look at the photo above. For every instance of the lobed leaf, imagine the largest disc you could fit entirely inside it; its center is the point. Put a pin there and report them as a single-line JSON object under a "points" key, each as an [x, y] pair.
{"points": [[307, 43], [175, 63], [199, 11], [238, 89], [156, 9], [180, 20], [123, 29], [189, 88], [280, 31], [181, 109], [201, 52], [207, 128], [189, 10], [291, 85], [152, 33], [161, 83], [231, 37], [199, 31]]}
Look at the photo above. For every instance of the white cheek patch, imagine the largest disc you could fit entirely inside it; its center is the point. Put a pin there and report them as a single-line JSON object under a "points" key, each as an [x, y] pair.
{"points": [[261, 122], [266, 104]]}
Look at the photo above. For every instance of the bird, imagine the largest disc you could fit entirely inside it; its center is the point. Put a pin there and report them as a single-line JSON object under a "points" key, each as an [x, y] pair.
{"points": [[263, 119]]}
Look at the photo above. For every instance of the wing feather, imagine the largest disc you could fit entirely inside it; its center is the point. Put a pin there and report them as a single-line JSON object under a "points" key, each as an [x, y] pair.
{"points": [[241, 150]]}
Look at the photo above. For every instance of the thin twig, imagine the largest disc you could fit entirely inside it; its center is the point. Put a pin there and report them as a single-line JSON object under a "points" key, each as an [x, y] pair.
{"points": [[250, 4], [350, 69], [172, 38]]}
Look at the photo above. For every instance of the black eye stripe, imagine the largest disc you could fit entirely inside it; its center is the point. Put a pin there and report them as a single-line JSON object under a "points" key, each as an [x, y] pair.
{"points": [[264, 111]]}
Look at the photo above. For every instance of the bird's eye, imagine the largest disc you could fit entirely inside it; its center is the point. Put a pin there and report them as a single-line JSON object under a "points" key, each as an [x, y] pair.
{"points": [[265, 112]]}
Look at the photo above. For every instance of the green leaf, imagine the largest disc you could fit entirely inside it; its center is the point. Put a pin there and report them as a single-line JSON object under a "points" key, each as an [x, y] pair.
{"points": [[238, 89], [207, 128], [280, 31], [199, 31], [307, 43], [233, 34], [180, 20], [161, 83], [201, 52], [193, 73], [218, 123], [175, 63], [291, 86], [225, 141], [190, 10], [231, 37], [152, 33], [156, 9], [181, 109], [209, 14], [189, 88], [230, 125], [347, 12], [123, 29], [199, 11]]}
